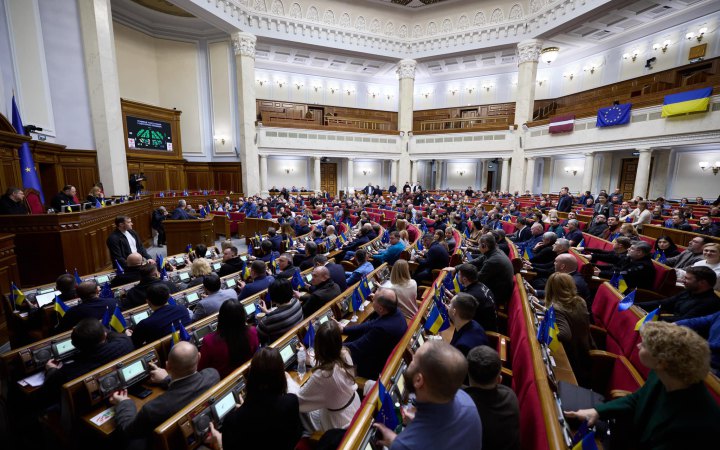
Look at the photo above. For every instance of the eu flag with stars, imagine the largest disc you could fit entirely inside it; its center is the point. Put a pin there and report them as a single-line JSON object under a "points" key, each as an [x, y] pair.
{"points": [[385, 408], [614, 115], [30, 178]]}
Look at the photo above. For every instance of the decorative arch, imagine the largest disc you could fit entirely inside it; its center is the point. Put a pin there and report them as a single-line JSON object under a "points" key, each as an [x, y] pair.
{"points": [[497, 16], [329, 17], [447, 26], [432, 29], [479, 19], [516, 12], [260, 6], [375, 26], [296, 11], [389, 28], [417, 31], [536, 5], [312, 14], [360, 23], [403, 31], [463, 22], [277, 8], [345, 20]]}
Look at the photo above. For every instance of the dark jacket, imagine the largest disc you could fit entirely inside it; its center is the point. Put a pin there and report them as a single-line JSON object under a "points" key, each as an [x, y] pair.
{"points": [[179, 214], [544, 255], [276, 241], [259, 284], [140, 425], [485, 313], [158, 217], [130, 275], [267, 422], [354, 245], [159, 323], [119, 246], [437, 257], [496, 272], [137, 295], [92, 308], [685, 305], [564, 203], [522, 235], [606, 209], [232, 265], [287, 273], [636, 273], [10, 206], [337, 274], [598, 229], [371, 342], [323, 293], [468, 337], [60, 201]]}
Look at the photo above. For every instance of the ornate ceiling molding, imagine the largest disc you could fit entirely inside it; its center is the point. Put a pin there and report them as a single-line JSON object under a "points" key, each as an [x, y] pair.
{"points": [[388, 36], [244, 44], [529, 51], [406, 68]]}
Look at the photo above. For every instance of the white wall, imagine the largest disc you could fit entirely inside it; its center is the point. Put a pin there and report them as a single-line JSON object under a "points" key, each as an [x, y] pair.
{"points": [[137, 65], [300, 174], [375, 175], [7, 77], [453, 180], [498, 88], [687, 180], [560, 178], [222, 99]]}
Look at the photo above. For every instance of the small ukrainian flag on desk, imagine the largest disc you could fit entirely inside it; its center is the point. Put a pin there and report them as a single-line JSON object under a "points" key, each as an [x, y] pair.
{"points": [[696, 100]]}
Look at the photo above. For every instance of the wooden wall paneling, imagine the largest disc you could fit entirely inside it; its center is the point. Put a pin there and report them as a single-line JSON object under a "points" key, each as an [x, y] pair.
{"points": [[8, 273], [176, 177]]}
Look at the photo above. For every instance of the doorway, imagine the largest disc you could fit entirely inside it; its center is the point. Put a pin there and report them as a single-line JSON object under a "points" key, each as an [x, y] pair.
{"points": [[328, 177], [628, 174]]}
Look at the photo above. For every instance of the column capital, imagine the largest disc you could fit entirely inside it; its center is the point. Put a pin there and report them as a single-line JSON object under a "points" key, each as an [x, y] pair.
{"points": [[406, 68], [351, 158], [644, 150], [244, 44], [531, 158], [506, 159], [529, 50], [588, 153], [263, 156], [316, 158]]}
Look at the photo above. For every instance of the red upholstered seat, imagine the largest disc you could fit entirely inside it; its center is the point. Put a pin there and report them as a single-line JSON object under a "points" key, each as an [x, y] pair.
{"points": [[665, 277], [508, 227], [33, 201]]}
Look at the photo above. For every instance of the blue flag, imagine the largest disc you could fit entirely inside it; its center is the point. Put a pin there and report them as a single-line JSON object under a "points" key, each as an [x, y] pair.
{"points": [[202, 212], [78, 280], [614, 115], [385, 237], [171, 301], [182, 332], [356, 300], [30, 178], [309, 339], [106, 291], [627, 301], [297, 280], [98, 204], [386, 408], [118, 268]]}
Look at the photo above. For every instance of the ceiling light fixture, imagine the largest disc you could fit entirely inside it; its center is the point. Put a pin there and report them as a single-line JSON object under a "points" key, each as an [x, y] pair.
{"points": [[549, 54]]}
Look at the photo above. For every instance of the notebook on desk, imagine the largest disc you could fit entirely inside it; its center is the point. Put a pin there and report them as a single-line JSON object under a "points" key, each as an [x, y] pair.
{"points": [[574, 397]]}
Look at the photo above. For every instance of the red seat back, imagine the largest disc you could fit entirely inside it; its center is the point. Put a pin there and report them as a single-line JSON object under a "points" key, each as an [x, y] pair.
{"points": [[33, 201]]}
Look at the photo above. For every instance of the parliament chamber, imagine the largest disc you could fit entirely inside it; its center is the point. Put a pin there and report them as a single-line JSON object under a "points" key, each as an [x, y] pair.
{"points": [[488, 224]]}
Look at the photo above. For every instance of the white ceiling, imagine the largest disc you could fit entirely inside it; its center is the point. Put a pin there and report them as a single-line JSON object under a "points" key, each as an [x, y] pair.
{"points": [[613, 24]]}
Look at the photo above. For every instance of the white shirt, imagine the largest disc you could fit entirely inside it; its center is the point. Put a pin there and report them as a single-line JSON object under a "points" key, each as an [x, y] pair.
{"points": [[131, 241], [642, 217], [715, 267], [406, 297]]}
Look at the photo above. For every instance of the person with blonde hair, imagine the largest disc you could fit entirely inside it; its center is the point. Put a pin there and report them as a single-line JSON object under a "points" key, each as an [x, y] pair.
{"points": [[200, 267], [673, 409], [404, 238], [573, 322], [405, 288], [629, 231], [711, 259]]}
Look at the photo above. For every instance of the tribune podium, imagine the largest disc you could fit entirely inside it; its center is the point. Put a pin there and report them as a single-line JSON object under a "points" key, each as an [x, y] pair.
{"points": [[180, 233]]}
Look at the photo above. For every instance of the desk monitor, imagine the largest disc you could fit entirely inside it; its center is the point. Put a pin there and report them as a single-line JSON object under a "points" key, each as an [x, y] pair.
{"points": [[63, 349], [322, 319], [109, 383], [200, 333], [400, 383], [371, 285], [46, 299], [230, 283], [192, 298], [287, 353], [216, 266], [139, 317], [179, 261], [45, 290], [243, 258], [250, 309], [102, 279], [133, 372], [223, 406], [308, 277], [184, 276]]}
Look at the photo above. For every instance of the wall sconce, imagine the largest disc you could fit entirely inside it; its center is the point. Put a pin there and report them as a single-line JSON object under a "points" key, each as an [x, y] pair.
{"points": [[632, 55], [389, 96], [452, 91], [410, 134], [698, 36], [298, 85], [470, 90], [366, 171], [374, 94], [219, 138], [426, 94], [487, 87], [461, 172], [574, 170], [540, 82], [590, 69], [569, 75], [350, 91], [705, 165], [662, 47], [261, 82], [402, 133], [549, 54], [333, 89], [317, 88], [280, 83], [289, 170]]}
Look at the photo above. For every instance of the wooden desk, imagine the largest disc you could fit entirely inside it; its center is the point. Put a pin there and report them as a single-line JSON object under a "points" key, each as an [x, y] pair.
{"points": [[109, 427], [180, 233]]}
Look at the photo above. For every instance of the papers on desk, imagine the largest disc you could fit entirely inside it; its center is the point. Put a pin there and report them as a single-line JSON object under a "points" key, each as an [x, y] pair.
{"points": [[344, 322], [365, 303], [104, 416], [35, 380]]}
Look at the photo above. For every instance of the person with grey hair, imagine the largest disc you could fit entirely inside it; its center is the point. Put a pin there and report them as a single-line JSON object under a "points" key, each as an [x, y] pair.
{"points": [[180, 212], [323, 289], [574, 235], [636, 267], [543, 253], [599, 226]]}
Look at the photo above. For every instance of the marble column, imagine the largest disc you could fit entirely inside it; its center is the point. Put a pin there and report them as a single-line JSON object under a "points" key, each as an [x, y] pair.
{"points": [[350, 174], [484, 175], [263, 174], [244, 48], [642, 176], [104, 91], [394, 173], [439, 165], [316, 173], [414, 173], [505, 176], [597, 162], [530, 174], [528, 54], [406, 79], [587, 173]]}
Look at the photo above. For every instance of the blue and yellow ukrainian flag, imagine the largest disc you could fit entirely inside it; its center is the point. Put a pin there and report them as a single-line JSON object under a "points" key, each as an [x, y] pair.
{"points": [[686, 102], [297, 280], [60, 307], [385, 408], [355, 301], [438, 319], [309, 338], [652, 315], [116, 321], [659, 256], [364, 287], [16, 294], [188, 248], [182, 332], [618, 282], [553, 341]]}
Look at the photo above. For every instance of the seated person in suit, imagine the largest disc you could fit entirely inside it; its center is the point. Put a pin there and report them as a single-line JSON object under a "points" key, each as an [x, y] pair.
{"points": [[266, 248], [214, 299], [364, 268], [497, 404], [163, 318], [697, 300], [13, 202], [90, 306], [574, 235], [302, 228], [260, 280], [180, 212], [391, 254], [286, 269], [96, 346], [371, 342], [65, 283], [274, 238], [323, 289], [337, 271], [231, 262], [149, 276], [286, 314], [64, 198], [468, 333], [123, 241], [436, 257], [522, 232], [494, 269], [264, 213], [131, 274], [183, 383], [485, 314], [362, 239], [306, 262], [636, 268]]}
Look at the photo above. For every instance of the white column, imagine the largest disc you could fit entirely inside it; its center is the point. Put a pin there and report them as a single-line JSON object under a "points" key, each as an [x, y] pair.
{"points": [[394, 173], [414, 173], [316, 164], [483, 175], [350, 174], [505, 176], [530, 175], [642, 176], [244, 47], [263, 175], [528, 54], [406, 77], [439, 167], [597, 160], [104, 90], [587, 172]]}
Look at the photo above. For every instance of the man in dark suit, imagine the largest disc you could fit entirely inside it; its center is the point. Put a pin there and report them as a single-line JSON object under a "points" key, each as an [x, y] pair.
{"points": [[180, 212], [484, 314], [565, 201], [697, 300], [495, 269], [392, 189], [368, 190], [13, 202], [362, 239], [163, 318], [124, 240], [137, 295], [260, 280], [377, 191], [183, 383], [636, 268], [131, 273], [436, 257], [322, 290], [274, 238], [90, 306], [468, 333], [603, 207], [416, 188], [64, 198], [286, 269], [337, 272], [231, 262], [371, 342], [522, 232], [306, 261]]}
